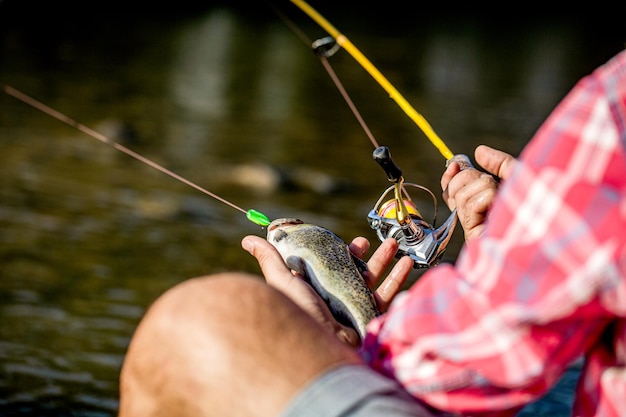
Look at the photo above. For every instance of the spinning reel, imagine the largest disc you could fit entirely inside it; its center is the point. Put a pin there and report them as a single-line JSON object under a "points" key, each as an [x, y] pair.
{"points": [[400, 219]]}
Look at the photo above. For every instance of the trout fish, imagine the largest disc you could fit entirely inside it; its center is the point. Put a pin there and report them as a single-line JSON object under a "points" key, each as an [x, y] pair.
{"points": [[326, 263]]}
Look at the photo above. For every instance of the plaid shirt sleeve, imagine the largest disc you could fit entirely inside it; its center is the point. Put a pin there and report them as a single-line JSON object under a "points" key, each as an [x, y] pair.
{"points": [[542, 286]]}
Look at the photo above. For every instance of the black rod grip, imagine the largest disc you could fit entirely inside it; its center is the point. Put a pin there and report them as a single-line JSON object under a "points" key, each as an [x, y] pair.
{"points": [[382, 155]]}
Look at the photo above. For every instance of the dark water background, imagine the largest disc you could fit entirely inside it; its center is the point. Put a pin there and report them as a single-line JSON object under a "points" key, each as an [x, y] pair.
{"points": [[214, 91]]}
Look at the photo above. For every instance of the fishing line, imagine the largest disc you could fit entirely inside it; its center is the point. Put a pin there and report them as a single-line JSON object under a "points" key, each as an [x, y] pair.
{"points": [[394, 94], [253, 215], [322, 51], [346, 97]]}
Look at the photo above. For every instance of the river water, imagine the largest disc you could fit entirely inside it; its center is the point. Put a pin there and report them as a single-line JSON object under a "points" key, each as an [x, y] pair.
{"points": [[232, 99]]}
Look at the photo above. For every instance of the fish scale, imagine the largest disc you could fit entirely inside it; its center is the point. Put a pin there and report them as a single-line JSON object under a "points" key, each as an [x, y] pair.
{"points": [[326, 262]]}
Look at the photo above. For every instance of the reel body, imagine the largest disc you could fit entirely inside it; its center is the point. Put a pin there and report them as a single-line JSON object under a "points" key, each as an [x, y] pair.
{"points": [[399, 218], [421, 241]]}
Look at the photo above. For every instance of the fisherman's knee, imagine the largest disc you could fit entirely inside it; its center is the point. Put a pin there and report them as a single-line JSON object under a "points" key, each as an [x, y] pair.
{"points": [[203, 297], [194, 325], [196, 311]]}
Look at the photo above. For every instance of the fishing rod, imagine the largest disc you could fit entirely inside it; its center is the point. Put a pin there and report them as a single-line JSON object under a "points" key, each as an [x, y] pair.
{"points": [[394, 94], [253, 215], [397, 217]]}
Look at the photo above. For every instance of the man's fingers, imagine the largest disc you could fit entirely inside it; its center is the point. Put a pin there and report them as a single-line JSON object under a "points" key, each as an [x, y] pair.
{"points": [[452, 169], [457, 184], [359, 246], [392, 284], [380, 260], [482, 186], [475, 209]]}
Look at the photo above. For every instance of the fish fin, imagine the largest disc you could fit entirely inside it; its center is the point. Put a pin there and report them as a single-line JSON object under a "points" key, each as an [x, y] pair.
{"points": [[298, 265], [361, 265]]}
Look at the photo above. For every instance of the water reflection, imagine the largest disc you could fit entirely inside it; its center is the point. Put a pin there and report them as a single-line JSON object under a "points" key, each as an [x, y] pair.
{"points": [[198, 85], [228, 79], [88, 237]]}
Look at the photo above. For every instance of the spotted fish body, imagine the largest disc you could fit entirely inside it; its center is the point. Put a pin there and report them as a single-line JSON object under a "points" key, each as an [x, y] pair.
{"points": [[325, 260]]}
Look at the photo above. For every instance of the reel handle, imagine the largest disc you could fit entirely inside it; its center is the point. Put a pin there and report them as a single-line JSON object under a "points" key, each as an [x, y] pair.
{"points": [[382, 155]]}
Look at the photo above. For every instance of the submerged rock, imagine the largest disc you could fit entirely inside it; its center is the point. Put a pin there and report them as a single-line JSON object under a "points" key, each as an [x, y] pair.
{"points": [[265, 178]]}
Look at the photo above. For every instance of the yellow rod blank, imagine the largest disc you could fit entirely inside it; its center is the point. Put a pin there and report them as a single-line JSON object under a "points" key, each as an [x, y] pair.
{"points": [[345, 43]]}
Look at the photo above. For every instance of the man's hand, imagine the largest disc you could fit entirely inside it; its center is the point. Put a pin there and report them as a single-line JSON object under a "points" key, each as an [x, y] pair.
{"points": [[376, 266], [278, 275], [471, 191]]}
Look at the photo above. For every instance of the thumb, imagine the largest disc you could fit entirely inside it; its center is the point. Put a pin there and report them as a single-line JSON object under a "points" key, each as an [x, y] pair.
{"points": [[494, 161], [270, 261]]}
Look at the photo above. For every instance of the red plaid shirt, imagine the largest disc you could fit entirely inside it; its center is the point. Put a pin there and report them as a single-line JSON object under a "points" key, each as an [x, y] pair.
{"points": [[544, 285]]}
